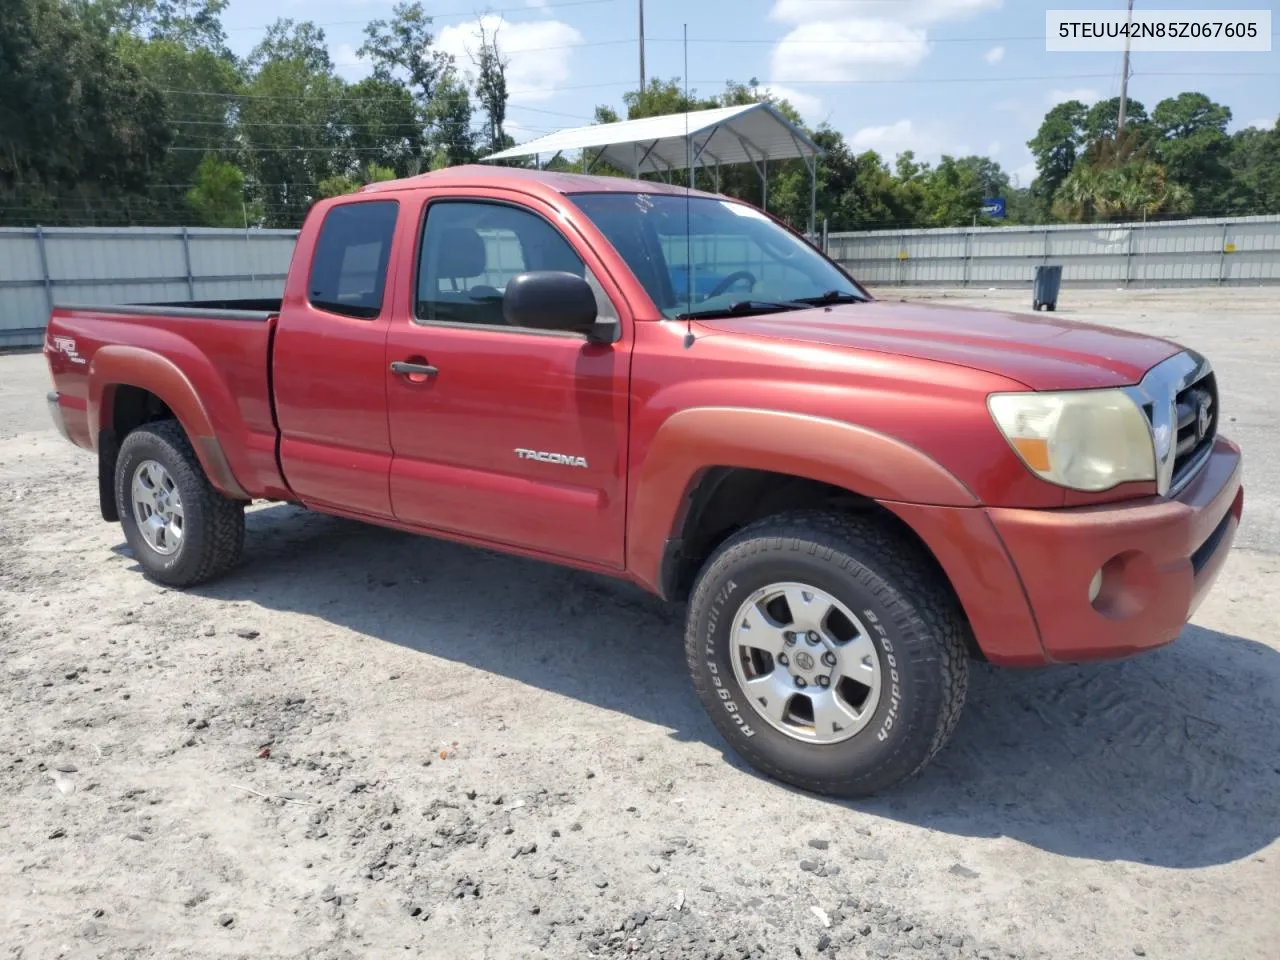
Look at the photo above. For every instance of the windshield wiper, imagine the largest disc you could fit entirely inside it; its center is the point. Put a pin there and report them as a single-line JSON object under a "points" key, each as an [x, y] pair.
{"points": [[742, 308], [831, 296]]}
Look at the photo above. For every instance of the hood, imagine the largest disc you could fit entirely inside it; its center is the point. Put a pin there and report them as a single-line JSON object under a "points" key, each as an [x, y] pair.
{"points": [[1042, 352]]}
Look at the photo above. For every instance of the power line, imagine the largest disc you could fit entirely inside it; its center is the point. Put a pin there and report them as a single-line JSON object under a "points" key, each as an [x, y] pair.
{"points": [[949, 80], [327, 99], [331, 124], [457, 15]]}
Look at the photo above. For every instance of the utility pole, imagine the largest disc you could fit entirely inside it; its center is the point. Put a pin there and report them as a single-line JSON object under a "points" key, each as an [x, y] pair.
{"points": [[641, 48], [1124, 80]]}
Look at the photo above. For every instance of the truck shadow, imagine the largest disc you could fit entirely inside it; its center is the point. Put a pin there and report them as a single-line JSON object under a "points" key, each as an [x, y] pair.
{"points": [[1168, 759]]}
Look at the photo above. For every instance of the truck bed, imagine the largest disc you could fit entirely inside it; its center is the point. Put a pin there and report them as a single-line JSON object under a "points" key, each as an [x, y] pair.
{"points": [[207, 361]]}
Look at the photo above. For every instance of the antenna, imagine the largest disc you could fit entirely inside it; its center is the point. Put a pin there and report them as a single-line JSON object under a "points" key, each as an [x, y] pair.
{"points": [[688, 229]]}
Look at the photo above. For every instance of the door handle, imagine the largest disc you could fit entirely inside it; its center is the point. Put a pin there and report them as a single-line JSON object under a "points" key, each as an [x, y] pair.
{"points": [[413, 370]]}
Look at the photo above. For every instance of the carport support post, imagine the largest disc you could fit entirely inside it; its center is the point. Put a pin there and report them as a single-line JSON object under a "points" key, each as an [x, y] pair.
{"points": [[813, 195], [764, 185]]}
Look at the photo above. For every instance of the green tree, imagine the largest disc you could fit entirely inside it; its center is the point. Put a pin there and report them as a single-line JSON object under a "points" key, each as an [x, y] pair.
{"points": [[1056, 146], [194, 24], [491, 89], [402, 50], [663, 97], [345, 183], [218, 196], [288, 125], [1254, 165], [80, 127], [953, 191], [382, 125], [1194, 147], [1102, 122], [453, 141]]}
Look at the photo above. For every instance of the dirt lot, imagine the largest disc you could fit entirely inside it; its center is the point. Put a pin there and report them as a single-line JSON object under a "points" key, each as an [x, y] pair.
{"points": [[365, 744]]}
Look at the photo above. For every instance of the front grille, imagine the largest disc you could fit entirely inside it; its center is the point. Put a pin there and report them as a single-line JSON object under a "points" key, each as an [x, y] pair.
{"points": [[1197, 425]]}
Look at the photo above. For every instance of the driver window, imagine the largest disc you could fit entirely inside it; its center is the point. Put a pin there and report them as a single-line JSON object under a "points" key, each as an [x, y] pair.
{"points": [[469, 252]]}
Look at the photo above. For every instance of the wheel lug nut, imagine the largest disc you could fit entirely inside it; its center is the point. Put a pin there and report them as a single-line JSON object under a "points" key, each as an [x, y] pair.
{"points": [[824, 681], [790, 638], [829, 659], [812, 636], [800, 682], [782, 659]]}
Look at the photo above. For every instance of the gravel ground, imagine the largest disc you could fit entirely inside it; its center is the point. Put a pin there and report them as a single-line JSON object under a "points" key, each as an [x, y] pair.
{"points": [[363, 743]]}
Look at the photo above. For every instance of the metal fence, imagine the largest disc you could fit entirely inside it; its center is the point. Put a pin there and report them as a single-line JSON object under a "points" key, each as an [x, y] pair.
{"points": [[91, 265], [104, 265], [1241, 250]]}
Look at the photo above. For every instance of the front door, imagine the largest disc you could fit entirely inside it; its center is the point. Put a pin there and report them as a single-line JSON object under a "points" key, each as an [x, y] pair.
{"points": [[504, 434]]}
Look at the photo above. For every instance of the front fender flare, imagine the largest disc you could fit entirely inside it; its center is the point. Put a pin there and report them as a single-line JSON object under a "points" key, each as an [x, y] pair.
{"points": [[695, 440], [121, 365]]}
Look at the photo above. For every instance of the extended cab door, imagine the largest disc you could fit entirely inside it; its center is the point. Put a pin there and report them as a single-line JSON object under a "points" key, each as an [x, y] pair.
{"points": [[509, 435], [328, 368]]}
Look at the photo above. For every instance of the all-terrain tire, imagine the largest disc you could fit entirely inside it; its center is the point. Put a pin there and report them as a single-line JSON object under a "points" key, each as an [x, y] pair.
{"points": [[213, 525], [919, 632]]}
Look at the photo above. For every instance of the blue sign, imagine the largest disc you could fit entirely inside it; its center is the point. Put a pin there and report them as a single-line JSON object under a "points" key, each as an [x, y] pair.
{"points": [[993, 207]]}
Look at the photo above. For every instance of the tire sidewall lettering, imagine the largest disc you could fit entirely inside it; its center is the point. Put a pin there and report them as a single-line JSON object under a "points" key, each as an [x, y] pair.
{"points": [[725, 695], [894, 690]]}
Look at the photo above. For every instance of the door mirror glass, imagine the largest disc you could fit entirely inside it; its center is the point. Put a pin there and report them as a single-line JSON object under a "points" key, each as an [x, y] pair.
{"points": [[550, 300]]}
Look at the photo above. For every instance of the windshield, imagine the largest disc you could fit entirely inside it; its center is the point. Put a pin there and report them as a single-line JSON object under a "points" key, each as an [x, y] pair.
{"points": [[702, 256]]}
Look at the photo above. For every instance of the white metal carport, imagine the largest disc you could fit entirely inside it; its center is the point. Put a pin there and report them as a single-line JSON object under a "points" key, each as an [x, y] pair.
{"points": [[753, 133]]}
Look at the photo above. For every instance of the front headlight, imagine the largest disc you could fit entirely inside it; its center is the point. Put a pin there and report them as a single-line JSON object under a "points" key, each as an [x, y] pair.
{"points": [[1087, 439]]}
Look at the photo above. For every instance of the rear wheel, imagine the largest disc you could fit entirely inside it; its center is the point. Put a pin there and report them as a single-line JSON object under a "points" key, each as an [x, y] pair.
{"points": [[182, 531], [828, 652]]}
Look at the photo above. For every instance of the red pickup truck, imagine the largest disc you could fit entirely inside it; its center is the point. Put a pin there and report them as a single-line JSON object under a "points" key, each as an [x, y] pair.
{"points": [[855, 496]]}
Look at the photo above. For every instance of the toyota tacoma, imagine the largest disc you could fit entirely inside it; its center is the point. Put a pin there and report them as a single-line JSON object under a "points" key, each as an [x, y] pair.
{"points": [[855, 497]]}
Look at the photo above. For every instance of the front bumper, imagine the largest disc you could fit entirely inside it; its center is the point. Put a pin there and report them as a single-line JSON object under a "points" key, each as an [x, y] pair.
{"points": [[1158, 557]]}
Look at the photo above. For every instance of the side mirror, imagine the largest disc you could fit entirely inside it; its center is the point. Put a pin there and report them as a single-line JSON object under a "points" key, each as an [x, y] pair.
{"points": [[550, 300]]}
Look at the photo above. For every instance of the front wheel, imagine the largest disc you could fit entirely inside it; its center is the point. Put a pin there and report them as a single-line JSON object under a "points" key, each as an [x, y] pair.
{"points": [[181, 530], [828, 652]]}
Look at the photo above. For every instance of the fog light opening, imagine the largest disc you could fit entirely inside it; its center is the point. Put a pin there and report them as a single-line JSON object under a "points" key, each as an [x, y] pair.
{"points": [[1095, 585]]}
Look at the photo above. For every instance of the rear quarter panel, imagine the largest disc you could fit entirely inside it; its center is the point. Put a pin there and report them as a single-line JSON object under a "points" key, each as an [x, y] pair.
{"points": [[212, 372]]}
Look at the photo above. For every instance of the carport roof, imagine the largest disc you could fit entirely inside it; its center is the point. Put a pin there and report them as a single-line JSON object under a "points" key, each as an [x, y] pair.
{"points": [[750, 133]]}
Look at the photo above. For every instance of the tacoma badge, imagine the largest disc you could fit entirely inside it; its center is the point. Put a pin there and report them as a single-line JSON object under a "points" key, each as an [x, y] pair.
{"points": [[561, 458]]}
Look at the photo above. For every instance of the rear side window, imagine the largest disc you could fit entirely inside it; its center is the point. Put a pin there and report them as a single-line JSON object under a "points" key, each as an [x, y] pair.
{"points": [[349, 269]]}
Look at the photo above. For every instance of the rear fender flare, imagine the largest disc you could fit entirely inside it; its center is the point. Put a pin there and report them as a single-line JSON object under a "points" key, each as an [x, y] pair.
{"points": [[695, 440], [120, 365]]}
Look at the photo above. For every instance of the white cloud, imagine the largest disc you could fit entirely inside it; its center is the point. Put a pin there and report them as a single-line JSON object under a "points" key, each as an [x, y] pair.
{"points": [[852, 40], [994, 55], [1026, 173], [889, 139], [349, 64], [1085, 95], [810, 106], [847, 50], [928, 142], [534, 72]]}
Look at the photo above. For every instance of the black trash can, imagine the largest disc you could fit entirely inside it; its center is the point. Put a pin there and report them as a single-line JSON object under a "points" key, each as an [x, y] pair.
{"points": [[1045, 292]]}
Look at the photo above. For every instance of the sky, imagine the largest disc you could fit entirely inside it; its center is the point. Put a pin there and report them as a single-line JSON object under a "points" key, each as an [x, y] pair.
{"points": [[934, 76]]}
